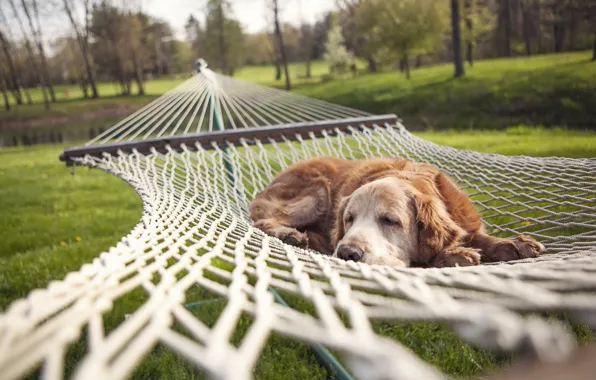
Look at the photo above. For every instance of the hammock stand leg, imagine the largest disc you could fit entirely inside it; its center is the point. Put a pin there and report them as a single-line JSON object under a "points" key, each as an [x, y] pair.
{"points": [[323, 356], [219, 126]]}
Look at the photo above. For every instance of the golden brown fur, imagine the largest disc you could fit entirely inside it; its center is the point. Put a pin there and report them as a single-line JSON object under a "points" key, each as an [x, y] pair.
{"points": [[306, 206]]}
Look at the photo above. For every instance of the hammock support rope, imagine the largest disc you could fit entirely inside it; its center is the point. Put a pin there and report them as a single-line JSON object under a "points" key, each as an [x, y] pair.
{"points": [[195, 234]]}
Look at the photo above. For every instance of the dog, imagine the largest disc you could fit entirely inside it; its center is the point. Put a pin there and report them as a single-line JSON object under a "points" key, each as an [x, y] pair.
{"points": [[385, 211]]}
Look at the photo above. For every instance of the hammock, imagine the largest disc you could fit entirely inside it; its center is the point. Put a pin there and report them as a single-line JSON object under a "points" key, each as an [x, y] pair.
{"points": [[196, 179]]}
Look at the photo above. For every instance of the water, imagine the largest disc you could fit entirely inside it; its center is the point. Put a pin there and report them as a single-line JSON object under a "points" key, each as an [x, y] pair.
{"points": [[49, 136]]}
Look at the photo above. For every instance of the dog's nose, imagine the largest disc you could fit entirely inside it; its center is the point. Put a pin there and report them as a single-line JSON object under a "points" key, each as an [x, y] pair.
{"points": [[349, 252]]}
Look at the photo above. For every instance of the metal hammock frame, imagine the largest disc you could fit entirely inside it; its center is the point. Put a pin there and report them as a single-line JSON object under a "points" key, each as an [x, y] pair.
{"points": [[199, 153]]}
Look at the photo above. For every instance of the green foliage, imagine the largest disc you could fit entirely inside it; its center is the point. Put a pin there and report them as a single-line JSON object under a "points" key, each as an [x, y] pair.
{"points": [[482, 19], [220, 28], [337, 56], [260, 49], [399, 29]]}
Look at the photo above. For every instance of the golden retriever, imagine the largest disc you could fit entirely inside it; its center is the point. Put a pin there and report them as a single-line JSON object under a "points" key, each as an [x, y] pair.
{"points": [[384, 211]]}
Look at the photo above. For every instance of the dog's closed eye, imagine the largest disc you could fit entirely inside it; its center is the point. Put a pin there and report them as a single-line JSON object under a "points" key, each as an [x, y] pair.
{"points": [[348, 219], [390, 221]]}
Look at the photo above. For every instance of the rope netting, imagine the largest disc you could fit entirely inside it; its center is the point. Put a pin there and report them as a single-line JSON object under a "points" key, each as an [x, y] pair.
{"points": [[195, 234]]}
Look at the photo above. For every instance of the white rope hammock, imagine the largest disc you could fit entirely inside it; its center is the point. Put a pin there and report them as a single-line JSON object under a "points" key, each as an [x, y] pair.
{"points": [[196, 182]]}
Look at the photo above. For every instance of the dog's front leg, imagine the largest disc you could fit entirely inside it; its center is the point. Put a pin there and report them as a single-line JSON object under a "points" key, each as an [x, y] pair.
{"points": [[456, 257], [286, 234]]}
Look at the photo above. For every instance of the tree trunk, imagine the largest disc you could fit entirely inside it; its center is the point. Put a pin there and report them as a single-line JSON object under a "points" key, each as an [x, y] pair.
{"points": [[308, 73], [469, 27], [84, 87], [46, 72], [31, 57], [504, 28], [83, 42], [139, 78], [372, 64], [277, 67], [406, 61], [559, 36], [15, 84], [3, 80], [594, 49], [158, 55], [223, 61], [138, 71], [526, 27], [419, 61], [37, 38], [508, 28], [280, 42], [27, 96], [456, 39]]}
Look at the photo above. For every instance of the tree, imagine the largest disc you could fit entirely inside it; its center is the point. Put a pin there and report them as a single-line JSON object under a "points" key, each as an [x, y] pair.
{"points": [[223, 42], [306, 42], [504, 28], [31, 55], [82, 34], [478, 20], [338, 57], [38, 39], [4, 86], [12, 73], [355, 41], [456, 39], [72, 66], [526, 26], [399, 29], [110, 49], [259, 49], [133, 29], [280, 43], [194, 34]]}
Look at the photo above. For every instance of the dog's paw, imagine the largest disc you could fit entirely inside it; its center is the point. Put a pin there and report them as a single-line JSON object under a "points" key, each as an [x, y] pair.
{"points": [[290, 236], [527, 247], [520, 247], [457, 257]]}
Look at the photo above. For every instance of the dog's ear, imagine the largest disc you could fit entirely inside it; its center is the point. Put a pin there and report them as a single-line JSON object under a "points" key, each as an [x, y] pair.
{"points": [[437, 230], [338, 230]]}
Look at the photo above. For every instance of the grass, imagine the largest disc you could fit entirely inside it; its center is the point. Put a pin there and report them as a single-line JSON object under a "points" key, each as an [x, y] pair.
{"points": [[70, 100], [550, 90], [554, 90], [52, 223]]}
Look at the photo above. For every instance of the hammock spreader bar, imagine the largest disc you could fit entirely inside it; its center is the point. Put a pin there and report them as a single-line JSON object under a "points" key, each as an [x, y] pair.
{"points": [[232, 136]]}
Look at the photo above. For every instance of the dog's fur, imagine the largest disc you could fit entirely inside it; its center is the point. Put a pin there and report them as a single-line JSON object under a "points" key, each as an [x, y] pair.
{"points": [[380, 211]]}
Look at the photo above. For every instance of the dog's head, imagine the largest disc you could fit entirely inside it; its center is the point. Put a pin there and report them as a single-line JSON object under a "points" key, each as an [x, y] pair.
{"points": [[391, 222]]}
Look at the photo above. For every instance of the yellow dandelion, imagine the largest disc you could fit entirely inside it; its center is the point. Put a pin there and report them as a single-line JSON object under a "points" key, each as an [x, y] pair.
{"points": [[78, 239], [63, 244], [526, 223]]}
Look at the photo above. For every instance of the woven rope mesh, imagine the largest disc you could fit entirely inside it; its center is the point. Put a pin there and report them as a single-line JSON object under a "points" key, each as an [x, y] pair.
{"points": [[195, 233]]}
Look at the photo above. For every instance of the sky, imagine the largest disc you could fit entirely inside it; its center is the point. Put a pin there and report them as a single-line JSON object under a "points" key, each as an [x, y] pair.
{"points": [[252, 14]]}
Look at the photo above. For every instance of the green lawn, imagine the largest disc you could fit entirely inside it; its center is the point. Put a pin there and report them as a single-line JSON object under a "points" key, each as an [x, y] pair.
{"points": [[69, 100], [554, 90], [53, 222]]}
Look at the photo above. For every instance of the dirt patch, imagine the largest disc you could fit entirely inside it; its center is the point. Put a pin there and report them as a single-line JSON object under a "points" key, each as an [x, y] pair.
{"points": [[53, 121]]}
